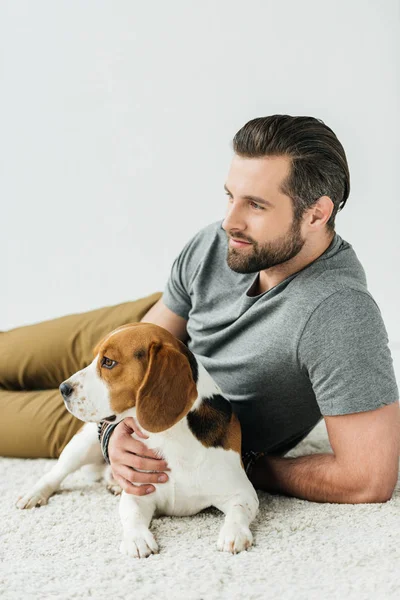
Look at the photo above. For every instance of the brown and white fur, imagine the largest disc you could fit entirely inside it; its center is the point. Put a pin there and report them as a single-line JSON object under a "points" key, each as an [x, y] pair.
{"points": [[152, 376]]}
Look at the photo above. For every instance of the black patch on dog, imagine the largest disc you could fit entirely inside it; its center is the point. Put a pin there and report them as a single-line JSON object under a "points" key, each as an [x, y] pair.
{"points": [[209, 423], [110, 419], [192, 362]]}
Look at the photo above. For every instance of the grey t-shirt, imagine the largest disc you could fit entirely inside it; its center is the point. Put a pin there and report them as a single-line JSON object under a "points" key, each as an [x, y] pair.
{"points": [[313, 345]]}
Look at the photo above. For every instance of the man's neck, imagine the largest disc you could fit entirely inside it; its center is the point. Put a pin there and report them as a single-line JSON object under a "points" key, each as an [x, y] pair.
{"points": [[271, 277]]}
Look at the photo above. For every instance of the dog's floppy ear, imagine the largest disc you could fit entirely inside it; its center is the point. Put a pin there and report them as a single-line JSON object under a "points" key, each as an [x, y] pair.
{"points": [[168, 390]]}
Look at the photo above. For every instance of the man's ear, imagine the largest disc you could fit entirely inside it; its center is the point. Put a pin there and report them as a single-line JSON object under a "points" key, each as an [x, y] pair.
{"points": [[168, 390]]}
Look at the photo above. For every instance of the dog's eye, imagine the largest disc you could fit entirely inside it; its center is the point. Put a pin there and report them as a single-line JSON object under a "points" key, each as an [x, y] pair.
{"points": [[108, 363]]}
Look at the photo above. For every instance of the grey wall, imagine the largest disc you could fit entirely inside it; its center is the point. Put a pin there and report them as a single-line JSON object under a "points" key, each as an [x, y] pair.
{"points": [[116, 123]]}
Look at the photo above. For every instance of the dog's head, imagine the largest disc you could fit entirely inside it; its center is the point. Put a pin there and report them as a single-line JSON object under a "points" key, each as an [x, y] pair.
{"points": [[139, 365]]}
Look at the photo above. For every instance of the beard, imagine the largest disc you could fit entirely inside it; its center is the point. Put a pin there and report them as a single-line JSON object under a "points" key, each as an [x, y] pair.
{"points": [[261, 257]]}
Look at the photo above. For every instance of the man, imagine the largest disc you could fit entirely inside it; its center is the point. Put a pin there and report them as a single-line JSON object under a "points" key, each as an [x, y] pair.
{"points": [[276, 306]]}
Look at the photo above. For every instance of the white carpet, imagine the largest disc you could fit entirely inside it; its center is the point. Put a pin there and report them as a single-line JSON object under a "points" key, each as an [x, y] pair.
{"points": [[303, 550]]}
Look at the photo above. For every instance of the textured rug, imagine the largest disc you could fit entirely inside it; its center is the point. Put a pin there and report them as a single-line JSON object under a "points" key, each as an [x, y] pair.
{"points": [[303, 550]]}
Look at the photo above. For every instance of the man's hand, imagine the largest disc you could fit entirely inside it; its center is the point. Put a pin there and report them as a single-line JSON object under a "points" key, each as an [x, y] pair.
{"points": [[129, 456]]}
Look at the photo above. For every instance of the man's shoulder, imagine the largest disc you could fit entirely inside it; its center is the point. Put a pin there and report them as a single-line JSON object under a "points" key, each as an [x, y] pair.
{"points": [[333, 287], [336, 272], [207, 237], [211, 230], [329, 297]]}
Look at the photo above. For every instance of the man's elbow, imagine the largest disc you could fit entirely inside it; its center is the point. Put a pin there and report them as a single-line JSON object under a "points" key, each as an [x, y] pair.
{"points": [[377, 484], [380, 493]]}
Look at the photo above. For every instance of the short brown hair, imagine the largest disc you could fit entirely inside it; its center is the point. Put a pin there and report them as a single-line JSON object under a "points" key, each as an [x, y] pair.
{"points": [[318, 161]]}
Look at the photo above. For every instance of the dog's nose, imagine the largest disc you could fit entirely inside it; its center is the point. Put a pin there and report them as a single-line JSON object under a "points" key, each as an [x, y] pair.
{"points": [[66, 390]]}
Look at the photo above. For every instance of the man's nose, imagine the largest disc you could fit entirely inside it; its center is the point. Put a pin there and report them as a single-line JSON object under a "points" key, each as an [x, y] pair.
{"points": [[66, 390], [233, 219]]}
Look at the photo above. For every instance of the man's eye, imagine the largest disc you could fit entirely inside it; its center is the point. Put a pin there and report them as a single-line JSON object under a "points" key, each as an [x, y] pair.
{"points": [[108, 363], [253, 203]]}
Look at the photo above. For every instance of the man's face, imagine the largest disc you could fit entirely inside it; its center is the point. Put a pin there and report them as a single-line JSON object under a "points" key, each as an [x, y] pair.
{"points": [[274, 235]]}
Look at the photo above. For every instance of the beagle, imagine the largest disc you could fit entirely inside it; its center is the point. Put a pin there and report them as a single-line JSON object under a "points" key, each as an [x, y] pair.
{"points": [[141, 370]]}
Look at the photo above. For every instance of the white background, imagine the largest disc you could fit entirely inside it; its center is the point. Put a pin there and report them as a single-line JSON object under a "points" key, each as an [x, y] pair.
{"points": [[116, 121]]}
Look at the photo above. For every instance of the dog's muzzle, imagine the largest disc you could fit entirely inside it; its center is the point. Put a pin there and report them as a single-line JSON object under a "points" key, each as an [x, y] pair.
{"points": [[66, 391]]}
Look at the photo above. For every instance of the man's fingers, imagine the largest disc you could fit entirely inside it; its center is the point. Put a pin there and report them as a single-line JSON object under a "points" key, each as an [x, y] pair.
{"points": [[138, 477], [140, 448], [136, 490], [130, 422], [145, 464]]}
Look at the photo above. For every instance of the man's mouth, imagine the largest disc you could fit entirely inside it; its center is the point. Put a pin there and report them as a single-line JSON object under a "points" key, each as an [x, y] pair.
{"points": [[239, 243]]}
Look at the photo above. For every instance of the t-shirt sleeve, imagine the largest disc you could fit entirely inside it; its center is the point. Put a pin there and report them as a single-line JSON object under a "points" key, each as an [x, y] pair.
{"points": [[176, 295], [344, 351]]}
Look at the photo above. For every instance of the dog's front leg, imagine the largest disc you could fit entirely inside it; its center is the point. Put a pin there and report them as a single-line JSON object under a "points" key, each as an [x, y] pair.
{"points": [[82, 449], [136, 513], [240, 510]]}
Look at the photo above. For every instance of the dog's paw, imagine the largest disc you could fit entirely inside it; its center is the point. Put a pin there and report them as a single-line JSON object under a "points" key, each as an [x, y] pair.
{"points": [[115, 489], [234, 538], [38, 496], [139, 544]]}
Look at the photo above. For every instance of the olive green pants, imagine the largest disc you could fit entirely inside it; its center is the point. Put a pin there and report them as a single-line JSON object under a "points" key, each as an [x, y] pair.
{"points": [[35, 360]]}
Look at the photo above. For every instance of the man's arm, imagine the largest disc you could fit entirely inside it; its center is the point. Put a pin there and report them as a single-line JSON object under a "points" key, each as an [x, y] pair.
{"points": [[161, 315], [363, 468]]}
